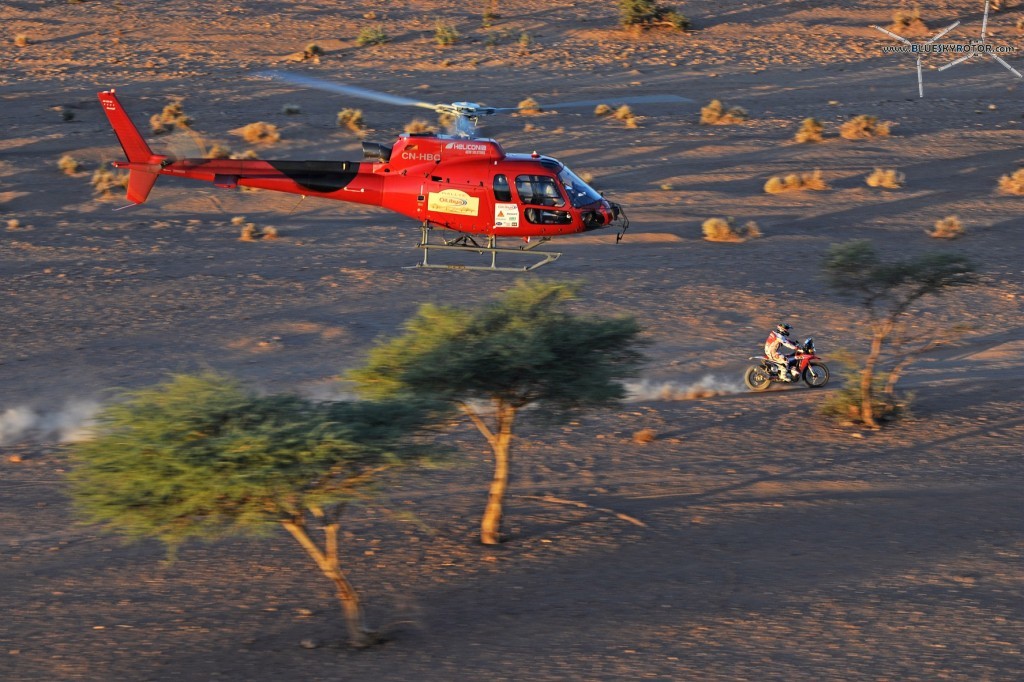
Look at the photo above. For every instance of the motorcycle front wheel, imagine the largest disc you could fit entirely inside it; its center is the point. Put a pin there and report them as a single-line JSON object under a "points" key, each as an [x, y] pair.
{"points": [[756, 378], [816, 375]]}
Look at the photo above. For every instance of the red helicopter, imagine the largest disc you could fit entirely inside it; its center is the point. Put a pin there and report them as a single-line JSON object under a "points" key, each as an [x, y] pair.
{"points": [[457, 181]]}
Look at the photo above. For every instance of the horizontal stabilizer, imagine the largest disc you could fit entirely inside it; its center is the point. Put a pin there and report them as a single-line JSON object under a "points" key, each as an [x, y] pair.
{"points": [[139, 185]]}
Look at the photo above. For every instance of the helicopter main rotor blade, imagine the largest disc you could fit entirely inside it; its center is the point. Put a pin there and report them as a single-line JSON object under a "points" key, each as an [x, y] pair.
{"points": [[636, 99], [318, 84]]}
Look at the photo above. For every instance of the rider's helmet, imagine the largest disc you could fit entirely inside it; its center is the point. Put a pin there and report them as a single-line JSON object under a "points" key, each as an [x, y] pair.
{"points": [[783, 328]]}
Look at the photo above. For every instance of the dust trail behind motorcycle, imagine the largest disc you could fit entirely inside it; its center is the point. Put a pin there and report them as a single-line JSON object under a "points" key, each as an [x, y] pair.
{"points": [[708, 386]]}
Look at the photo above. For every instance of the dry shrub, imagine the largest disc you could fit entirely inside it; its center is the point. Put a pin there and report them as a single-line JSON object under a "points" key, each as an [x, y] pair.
{"points": [[13, 224], [1013, 183], [529, 107], [907, 21], [587, 177], [250, 233], [886, 178], [644, 14], [372, 35], [445, 34], [446, 120], [22, 40], [795, 182], [723, 230], [238, 220], [313, 52], [603, 110], [69, 165], [626, 115], [419, 126], [260, 133], [291, 109], [864, 127], [104, 182], [247, 155], [352, 119], [947, 228], [173, 116], [716, 113], [217, 152], [810, 130], [644, 436]]}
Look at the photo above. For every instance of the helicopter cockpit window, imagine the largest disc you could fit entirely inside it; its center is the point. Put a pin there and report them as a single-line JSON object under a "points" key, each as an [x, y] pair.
{"points": [[502, 191], [540, 190], [580, 193]]}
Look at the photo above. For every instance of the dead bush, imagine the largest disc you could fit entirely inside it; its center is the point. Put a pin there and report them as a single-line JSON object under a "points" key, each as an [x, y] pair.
{"points": [[723, 230], [1013, 183], [811, 130], [22, 40], [291, 109], [419, 126], [864, 127], [626, 115], [947, 228], [104, 182], [173, 116], [529, 107], [217, 152], [260, 132], [716, 113], [352, 119], [795, 182], [907, 21], [886, 178], [313, 52], [250, 233], [69, 165], [644, 436]]}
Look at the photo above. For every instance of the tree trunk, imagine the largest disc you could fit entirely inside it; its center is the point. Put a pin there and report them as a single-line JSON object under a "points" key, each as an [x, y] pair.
{"points": [[490, 527], [867, 377], [358, 634]]}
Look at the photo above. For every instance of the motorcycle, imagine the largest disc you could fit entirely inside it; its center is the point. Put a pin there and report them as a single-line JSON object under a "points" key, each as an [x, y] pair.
{"points": [[808, 366]]}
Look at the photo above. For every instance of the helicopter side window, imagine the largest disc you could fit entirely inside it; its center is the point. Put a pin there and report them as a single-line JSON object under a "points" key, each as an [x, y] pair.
{"points": [[502, 191], [539, 190]]}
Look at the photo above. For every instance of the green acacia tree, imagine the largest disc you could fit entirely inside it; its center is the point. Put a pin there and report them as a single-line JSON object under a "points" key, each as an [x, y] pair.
{"points": [[888, 292], [200, 456], [524, 348]]}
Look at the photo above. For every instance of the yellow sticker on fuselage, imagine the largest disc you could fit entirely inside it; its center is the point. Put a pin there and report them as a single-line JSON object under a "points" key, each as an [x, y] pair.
{"points": [[453, 201]]}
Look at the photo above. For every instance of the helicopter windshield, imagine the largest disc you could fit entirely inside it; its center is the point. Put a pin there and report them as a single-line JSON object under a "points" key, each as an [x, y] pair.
{"points": [[580, 193]]}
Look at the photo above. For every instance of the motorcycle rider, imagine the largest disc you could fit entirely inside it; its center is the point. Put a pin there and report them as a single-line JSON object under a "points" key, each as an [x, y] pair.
{"points": [[779, 338]]}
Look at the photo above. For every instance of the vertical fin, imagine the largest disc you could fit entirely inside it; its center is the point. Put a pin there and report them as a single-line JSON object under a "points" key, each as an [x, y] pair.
{"points": [[135, 148], [143, 166]]}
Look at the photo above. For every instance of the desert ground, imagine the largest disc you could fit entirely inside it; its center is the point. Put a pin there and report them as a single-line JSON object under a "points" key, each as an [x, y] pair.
{"points": [[769, 543]]}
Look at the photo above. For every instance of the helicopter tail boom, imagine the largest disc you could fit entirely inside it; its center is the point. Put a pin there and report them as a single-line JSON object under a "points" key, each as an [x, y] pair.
{"points": [[143, 165]]}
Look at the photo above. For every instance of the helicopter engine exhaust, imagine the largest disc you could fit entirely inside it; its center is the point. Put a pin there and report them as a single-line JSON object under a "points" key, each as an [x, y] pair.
{"points": [[376, 151]]}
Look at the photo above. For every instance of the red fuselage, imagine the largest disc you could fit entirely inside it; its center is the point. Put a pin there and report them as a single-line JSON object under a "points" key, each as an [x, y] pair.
{"points": [[467, 185]]}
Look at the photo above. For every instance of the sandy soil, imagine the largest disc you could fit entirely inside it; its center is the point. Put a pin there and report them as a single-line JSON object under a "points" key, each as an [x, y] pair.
{"points": [[774, 545]]}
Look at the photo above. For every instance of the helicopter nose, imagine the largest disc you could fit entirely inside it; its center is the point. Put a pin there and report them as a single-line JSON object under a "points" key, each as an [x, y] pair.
{"points": [[601, 215]]}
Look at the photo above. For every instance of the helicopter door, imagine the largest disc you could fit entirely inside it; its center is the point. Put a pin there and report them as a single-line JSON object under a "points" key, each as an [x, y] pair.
{"points": [[506, 211], [542, 197]]}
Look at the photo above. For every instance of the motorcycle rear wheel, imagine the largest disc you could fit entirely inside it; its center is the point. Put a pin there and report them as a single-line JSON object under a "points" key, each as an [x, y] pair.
{"points": [[816, 374], [756, 378]]}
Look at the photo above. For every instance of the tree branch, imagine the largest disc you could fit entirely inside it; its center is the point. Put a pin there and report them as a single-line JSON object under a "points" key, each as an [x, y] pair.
{"points": [[475, 418]]}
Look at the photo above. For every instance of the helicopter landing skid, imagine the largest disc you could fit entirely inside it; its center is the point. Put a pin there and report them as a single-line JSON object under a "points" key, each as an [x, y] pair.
{"points": [[466, 243]]}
